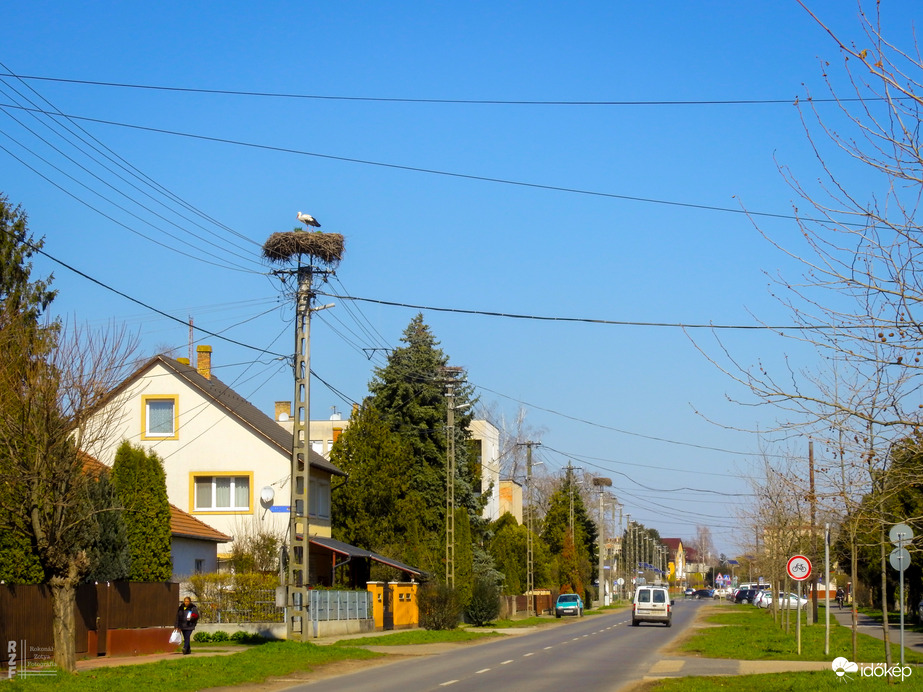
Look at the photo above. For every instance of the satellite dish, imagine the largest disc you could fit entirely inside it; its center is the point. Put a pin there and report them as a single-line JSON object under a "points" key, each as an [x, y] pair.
{"points": [[267, 495]]}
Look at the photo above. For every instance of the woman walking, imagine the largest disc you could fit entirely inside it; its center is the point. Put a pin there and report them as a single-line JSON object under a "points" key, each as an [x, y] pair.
{"points": [[187, 617]]}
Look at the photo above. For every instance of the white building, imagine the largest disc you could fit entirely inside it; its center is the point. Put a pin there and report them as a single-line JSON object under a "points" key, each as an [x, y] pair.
{"points": [[227, 463]]}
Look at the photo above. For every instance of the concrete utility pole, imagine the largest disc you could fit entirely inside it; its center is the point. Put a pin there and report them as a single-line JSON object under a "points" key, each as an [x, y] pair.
{"points": [[321, 249], [626, 548], [570, 493], [299, 531], [451, 373], [530, 555], [601, 483]]}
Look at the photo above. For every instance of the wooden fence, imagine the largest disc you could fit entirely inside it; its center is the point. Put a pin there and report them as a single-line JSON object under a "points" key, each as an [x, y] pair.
{"points": [[112, 618]]}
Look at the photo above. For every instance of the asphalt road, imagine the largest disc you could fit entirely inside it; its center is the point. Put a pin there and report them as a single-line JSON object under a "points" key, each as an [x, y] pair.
{"points": [[599, 652]]}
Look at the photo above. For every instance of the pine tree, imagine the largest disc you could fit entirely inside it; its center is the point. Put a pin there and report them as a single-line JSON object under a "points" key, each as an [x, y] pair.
{"points": [[409, 394], [556, 534], [378, 504], [464, 558], [140, 485], [110, 552], [20, 564], [508, 548], [18, 290]]}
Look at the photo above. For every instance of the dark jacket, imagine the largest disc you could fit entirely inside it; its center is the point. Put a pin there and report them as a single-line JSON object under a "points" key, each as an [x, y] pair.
{"points": [[187, 617]]}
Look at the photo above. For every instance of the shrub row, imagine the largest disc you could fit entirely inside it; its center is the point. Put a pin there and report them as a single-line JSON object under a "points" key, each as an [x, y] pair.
{"points": [[240, 637]]}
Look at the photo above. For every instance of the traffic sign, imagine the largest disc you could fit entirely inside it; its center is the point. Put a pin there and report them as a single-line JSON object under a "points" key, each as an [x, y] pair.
{"points": [[900, 533], [899, 559], [798, 567]]}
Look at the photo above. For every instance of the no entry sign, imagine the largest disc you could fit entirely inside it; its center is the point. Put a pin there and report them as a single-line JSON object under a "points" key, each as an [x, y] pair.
{"points": [[798, 567]]}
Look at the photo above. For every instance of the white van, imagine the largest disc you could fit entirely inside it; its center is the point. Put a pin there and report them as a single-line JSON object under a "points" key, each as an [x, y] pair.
{"points": [[652, 604]]}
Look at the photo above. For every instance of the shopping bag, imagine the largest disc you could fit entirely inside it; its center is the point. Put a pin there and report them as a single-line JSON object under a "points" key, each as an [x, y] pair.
{"points": [[176, 637]]}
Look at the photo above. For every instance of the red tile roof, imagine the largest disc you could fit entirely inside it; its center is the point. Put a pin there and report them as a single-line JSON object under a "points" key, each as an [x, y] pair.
{"points": [[184, 525]]}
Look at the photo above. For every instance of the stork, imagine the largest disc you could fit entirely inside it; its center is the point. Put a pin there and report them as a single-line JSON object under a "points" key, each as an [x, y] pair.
{"points": [[308, 220]]}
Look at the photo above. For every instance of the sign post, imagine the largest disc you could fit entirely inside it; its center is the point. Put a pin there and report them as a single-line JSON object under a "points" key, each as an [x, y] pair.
{"points": [[799, 569], [900, 535]]}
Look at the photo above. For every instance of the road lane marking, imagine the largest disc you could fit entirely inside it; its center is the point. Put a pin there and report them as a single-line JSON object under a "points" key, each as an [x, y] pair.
{"points": [[446, 684], [505, 662], [547, 647], [482, 670], [527, 655]]}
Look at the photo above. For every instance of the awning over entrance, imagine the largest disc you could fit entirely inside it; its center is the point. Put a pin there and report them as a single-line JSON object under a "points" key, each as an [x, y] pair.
{"points": [[354, 552]]}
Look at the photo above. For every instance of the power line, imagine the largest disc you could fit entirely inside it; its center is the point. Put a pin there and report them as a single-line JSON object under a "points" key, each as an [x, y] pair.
{"points": [[647, 487], [128, 167], [116, 221], [396, 99], [433, 171], [581, 320]]}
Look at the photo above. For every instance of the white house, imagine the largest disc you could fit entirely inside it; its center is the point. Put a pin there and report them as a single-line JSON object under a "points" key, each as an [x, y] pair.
{"points": [[485, 442], [227, 463]]}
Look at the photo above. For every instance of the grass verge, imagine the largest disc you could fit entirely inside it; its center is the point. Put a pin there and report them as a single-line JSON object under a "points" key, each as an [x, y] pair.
{"points": [[418, 637], [894, 619], [751, 635], [525, 622], [769, 682], [190, 673]]}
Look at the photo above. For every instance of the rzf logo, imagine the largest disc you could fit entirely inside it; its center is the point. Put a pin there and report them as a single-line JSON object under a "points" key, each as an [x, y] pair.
{"points": [[11, 651]]}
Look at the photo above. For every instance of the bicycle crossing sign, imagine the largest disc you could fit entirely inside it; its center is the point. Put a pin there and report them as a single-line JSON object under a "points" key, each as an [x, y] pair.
{"points": [[798, 567]]}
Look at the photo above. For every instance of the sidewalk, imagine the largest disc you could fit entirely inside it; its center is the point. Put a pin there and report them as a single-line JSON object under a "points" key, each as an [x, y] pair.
{"points": [[673, 665], [913, 641], [199, 651]]}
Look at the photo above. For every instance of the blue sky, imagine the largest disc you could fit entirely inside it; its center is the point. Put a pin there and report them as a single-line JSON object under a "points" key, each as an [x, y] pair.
{"points": [[446, 241]]}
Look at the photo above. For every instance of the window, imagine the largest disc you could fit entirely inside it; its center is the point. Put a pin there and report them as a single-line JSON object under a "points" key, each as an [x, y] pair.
{"points": [[319, 501], [160, 419], [221, 493], [199, 566]]}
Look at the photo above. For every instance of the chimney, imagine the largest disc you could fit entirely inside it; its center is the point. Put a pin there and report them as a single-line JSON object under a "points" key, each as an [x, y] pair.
{"points": [[283, 410], [204, 361], [184, 361]]}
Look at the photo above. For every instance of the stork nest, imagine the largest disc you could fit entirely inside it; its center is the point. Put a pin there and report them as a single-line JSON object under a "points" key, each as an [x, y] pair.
{"points": [[326, 247]]}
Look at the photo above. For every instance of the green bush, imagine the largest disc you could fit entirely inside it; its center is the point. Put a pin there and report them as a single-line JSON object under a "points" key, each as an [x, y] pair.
{"points": [[484, 605], [439, 608], [242, 637], [201, 637], [220, 636]]}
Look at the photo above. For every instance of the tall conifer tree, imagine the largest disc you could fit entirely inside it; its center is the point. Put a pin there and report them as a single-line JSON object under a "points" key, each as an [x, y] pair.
{"points": [[140, 484], [408, 397]]}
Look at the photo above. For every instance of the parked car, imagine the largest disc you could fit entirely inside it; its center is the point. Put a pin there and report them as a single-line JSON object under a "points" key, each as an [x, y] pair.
{"points": [[703, 593], [688, 592], [759, 596], [721, 592], [745, 595], [652, 604], [568, 604], [788, 600]]}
